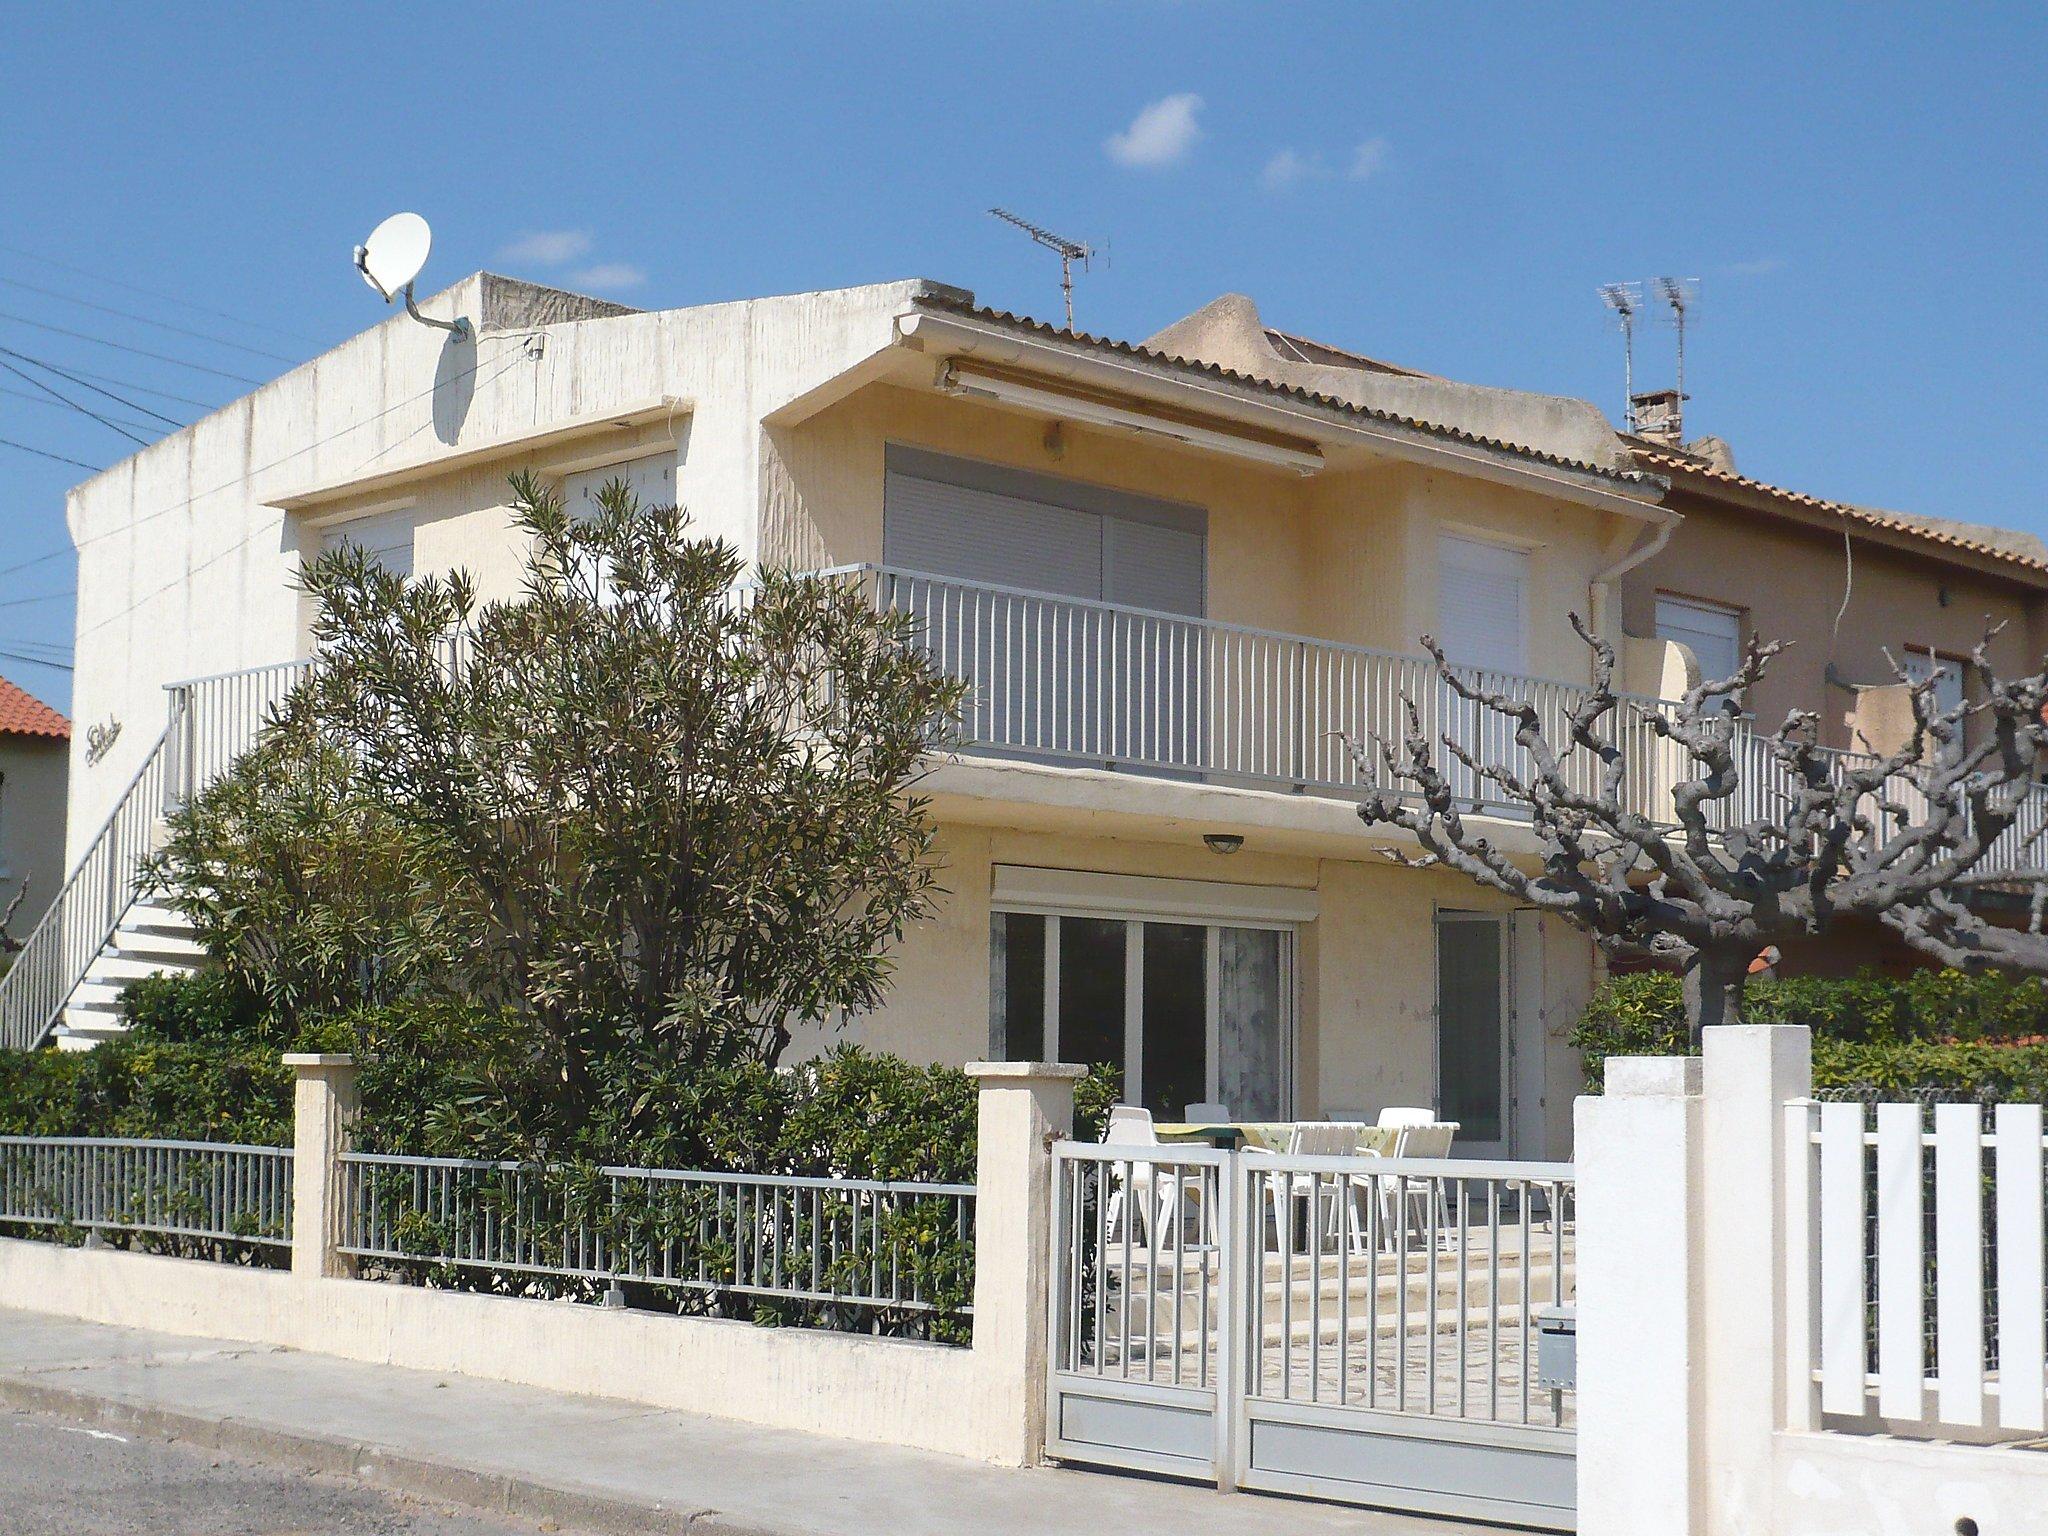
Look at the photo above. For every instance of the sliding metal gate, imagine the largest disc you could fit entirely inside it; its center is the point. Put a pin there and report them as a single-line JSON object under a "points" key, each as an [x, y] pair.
{"points": [[1354, 1328]]}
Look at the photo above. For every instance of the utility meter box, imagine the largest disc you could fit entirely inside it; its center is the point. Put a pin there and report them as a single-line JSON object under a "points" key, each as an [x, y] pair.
{"points": [[1557, 1348]]}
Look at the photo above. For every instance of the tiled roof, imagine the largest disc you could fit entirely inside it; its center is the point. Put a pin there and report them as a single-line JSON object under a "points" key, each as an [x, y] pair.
{"points": [[21, 714], [1292, 392], [1665, 461]]}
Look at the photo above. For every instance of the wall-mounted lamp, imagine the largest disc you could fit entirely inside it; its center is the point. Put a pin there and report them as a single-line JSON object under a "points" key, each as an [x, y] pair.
{"points": [[1222, 842]]}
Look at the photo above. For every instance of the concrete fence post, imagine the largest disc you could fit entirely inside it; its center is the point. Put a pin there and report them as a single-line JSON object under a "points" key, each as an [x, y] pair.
{"points": [[324, 1106], [1025, 1106], [1746, 1243], [1638, 1151]]}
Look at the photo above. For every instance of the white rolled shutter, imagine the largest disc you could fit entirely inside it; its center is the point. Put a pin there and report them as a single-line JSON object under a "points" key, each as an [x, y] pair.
{"points": [[1483, 604]]}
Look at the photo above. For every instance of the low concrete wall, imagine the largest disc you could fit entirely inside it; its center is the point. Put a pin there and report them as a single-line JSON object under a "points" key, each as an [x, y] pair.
{"points": [[1873, 1485], [986, 1402], [887, 1391]]}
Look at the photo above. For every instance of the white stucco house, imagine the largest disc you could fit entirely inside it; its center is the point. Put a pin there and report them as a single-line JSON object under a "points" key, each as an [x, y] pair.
{"points": [[1171, 570]]}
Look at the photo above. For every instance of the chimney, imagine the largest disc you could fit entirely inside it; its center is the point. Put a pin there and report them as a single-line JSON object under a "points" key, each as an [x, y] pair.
{"points": [[1659, 415]]}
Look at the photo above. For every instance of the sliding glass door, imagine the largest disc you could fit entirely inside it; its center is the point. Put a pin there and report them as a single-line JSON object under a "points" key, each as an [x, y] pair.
{"points": [[1187, 1012]]}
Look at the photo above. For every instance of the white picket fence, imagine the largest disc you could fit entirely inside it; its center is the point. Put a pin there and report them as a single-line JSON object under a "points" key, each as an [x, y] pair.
{"points": [[1929, 1299]]}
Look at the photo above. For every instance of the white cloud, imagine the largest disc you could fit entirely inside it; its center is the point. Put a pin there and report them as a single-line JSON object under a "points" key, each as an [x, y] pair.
{"points": [[1160, 135], [1758, 268], [608, 274], [1368, 159], [548, 247], [1287, 168]]}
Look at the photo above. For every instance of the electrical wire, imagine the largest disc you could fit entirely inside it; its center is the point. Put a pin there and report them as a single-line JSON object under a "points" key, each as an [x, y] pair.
{"points": [[80, 381], [36, 661], [22, 394], [154, 293], [44, 597], [64, 399], [162, 325], [122, 346], [255, 533], [78, 375], [225, 485], [44, 453]]}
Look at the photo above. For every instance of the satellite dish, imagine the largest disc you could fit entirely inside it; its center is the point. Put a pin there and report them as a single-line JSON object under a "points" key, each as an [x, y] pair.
{"points": [[393, 256]]}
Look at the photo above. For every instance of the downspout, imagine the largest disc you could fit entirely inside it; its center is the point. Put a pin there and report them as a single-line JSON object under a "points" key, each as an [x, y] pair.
{"points": [[1599, 587]]}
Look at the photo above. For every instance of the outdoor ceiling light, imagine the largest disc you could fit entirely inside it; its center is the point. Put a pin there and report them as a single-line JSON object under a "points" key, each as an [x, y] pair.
{"points": [[1223, 842], [955, 380]]}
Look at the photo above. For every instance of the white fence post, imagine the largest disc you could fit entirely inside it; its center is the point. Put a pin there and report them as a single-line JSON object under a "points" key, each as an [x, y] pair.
{"points": [[1024, 1107], [1638, 1153], [1751, 1071], [324, 1106]]}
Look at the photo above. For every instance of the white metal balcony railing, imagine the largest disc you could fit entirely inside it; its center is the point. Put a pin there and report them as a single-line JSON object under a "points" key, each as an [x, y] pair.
{"points": [[1052, 679]]}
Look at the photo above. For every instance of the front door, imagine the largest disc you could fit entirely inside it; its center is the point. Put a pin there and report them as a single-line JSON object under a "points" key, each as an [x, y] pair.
{"points": [[1474, 1034], [1186, 1012]]}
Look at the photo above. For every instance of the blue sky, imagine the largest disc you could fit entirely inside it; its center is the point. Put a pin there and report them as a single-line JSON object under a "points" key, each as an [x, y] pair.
{"points": [[1862, 192]]}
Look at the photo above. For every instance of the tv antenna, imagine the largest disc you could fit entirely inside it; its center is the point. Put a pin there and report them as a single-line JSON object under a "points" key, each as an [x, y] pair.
{"points": [[1680, 294], [1068, 251], [392, 257], [1625, 299]]}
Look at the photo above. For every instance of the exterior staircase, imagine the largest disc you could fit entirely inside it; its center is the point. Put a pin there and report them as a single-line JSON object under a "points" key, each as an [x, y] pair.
{"points": [[152, 939]]}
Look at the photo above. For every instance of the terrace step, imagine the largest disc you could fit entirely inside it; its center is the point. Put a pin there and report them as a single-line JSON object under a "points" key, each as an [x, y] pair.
{"points": [[153, 939]]}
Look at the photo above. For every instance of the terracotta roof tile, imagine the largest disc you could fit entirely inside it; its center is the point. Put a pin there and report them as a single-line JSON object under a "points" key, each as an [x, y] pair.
{"points": [[22, 714], [1666, 461], [1293, 392]]}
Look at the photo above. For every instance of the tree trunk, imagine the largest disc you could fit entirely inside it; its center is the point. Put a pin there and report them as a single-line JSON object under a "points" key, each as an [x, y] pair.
{"points": [[1714, 983]]}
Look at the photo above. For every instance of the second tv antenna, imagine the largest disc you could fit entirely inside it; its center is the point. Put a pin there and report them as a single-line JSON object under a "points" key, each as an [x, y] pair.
{"points": [[1068, 251]]}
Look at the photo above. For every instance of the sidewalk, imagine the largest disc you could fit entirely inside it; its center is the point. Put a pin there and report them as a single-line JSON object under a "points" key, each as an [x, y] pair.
{"points": [[591, 1463]]}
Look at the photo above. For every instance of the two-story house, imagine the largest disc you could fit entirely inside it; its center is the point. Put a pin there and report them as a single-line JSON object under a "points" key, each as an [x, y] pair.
{"points": [[1178, 575], [32, 775]]}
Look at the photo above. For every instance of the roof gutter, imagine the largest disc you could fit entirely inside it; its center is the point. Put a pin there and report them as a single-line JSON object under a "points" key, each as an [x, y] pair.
{"points": [[1602, 584], [946, 337]]}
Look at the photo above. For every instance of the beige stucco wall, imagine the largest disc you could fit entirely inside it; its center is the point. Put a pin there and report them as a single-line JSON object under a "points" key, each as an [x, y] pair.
{"points": [[1347, 555], [1365, 968], [32, 770], [1789, 579]]}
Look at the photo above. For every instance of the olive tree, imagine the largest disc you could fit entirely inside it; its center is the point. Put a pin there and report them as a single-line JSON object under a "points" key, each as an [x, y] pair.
{"points": [[1769, 840]]}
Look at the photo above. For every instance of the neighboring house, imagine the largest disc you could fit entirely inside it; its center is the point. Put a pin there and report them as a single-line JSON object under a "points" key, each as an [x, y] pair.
{"points": [[1171, 570], [32, 759]]}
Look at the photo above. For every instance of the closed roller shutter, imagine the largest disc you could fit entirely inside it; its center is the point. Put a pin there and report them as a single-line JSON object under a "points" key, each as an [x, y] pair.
{"points": [[1482, 607]]}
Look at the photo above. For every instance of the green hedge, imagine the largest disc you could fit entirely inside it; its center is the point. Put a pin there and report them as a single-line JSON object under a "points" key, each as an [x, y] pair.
{"points": [[1934, 1036], [196, 1065]]}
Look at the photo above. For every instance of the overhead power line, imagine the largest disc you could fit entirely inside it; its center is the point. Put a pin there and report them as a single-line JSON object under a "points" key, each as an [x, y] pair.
{"points": [[157, 293], [41, 597], [44, 453], [162, 325], [22, 394], [76, 374], [122, 346], [82, 383], [36, 661], [64, 399]]}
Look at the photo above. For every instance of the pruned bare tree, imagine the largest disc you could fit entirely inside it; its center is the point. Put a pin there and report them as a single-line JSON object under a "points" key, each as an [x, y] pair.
{"points": [[9, 944], [1727, 868]]}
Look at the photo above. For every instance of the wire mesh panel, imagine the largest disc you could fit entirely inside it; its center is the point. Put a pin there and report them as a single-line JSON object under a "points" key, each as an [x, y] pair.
{"points": [[210, 1191], [879, 1247]]}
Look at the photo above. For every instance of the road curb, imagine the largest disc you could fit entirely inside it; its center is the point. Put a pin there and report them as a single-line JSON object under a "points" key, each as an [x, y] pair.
{"points": [[384, 1466]]}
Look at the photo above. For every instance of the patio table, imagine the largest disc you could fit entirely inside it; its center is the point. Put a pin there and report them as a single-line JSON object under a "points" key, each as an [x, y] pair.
{"points": [[1265, 1135]]}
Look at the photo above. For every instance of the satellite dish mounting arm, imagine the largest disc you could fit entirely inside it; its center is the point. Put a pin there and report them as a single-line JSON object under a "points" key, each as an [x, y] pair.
{"points": [[459, 326]]}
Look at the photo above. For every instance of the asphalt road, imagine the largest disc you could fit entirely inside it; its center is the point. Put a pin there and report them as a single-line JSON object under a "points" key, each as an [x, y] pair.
{"points": [[64, 1479]]}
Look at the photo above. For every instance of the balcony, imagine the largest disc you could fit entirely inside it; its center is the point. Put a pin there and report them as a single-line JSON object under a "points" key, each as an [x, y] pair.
{"points": [[1066, 681]]}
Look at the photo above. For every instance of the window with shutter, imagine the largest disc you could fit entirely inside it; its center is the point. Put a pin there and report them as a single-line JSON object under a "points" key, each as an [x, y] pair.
{"points": [[386, 539], [1712, 633], [1483, 604], [1920, 664]]}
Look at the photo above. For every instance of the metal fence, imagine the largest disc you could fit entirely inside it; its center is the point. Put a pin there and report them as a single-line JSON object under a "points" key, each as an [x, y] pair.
{"points": [[878, 1248], [205, 1192]]}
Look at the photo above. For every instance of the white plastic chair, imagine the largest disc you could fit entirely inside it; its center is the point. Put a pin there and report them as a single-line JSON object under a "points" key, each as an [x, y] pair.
{"points": [[1431, 1140], [1398, 1117], [1207, 1113], [1161, 1189], [1310, 1138]]}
